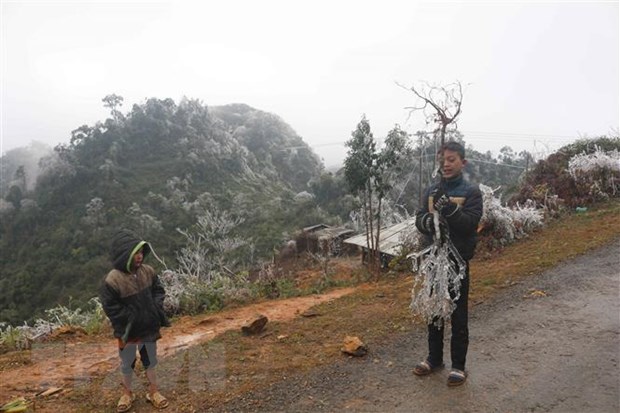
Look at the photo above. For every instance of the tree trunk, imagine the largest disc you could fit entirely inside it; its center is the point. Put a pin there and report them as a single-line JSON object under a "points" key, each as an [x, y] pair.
{"points": [[378, 253]]}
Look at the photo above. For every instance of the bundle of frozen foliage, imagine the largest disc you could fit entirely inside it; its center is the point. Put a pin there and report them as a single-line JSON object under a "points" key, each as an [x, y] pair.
{"points": [[502, 225], [437, 288], [596, 174]]}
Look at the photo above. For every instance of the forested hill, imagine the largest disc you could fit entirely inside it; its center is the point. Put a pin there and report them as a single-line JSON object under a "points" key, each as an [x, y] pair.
{"points": [[154, 169]]}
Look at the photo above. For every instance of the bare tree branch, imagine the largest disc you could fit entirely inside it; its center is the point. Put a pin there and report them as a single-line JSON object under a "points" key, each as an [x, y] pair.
{"points": [[445, 101]]}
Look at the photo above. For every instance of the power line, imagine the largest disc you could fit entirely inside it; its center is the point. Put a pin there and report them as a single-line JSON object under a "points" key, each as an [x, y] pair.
{"points": [[496, 164], [528, 135]]}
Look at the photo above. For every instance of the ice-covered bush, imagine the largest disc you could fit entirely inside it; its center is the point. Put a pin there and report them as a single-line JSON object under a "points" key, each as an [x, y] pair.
{"points": [[596, 174], [90, 318], [501, 224], [187, 294]]}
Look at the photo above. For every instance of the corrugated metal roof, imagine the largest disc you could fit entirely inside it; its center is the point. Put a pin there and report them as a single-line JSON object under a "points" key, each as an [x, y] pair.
{"points": [[389, 238], [315, 227], [330, 232]]}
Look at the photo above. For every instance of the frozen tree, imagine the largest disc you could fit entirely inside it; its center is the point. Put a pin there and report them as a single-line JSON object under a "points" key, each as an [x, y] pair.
{"points": [[95, 213], [303, 197], [369, 174], [143, 222], [210, 248], [440, 104]]}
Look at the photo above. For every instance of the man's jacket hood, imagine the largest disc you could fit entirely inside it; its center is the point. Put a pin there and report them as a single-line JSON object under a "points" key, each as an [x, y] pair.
{"points": [[124, 246]]}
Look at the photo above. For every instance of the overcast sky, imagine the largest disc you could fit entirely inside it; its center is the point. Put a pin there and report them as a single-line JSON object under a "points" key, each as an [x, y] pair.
{"points": [[537, 74]]}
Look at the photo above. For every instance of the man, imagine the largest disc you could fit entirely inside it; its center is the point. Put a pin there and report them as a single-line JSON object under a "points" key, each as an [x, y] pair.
{"points": [[460, 208], [132, 298]]}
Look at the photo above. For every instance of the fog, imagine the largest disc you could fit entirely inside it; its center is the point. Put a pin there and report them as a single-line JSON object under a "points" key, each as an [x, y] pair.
{"points": [[537, 75]]}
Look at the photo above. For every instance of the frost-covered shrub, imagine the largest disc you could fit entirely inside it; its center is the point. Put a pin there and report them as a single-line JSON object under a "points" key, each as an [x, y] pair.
{"points": [[501, 225], [15, 338], [91, 319], [596, 174], [187, 294], [303, 197]]}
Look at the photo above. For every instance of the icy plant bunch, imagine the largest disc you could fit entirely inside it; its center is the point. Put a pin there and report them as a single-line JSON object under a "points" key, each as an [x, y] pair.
{"points": [[507, 224], [596, 174], [437, 287], [175, 285]]}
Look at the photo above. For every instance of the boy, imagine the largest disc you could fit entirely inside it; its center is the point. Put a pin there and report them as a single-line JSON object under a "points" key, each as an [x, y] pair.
{"points": [[132, 298], [460, 208]]}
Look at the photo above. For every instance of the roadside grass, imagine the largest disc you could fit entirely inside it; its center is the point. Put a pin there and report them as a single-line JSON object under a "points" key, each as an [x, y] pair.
{"points": [[232, 364]]}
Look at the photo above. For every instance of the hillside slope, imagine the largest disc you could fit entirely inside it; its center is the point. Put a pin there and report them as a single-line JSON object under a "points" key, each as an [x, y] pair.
{"points": [[155, 169]]}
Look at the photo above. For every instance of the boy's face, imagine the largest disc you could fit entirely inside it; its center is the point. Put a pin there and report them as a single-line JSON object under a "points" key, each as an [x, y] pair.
{"points": [[451, 163], [137, 259]]}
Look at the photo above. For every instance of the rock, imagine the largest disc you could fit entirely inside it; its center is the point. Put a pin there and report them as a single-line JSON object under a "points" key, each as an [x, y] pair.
{"points": [[354, 347], [310, 313], [206, 321], [49, 391], [255, 327]]}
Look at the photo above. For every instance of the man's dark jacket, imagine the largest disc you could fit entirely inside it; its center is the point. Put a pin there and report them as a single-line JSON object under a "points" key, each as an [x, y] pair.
{"points": [[136, 297], [462, 222]]}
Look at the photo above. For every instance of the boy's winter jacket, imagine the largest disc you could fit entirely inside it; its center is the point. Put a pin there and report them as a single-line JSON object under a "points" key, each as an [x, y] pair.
{"points": [[135, 298], [463, 223]]}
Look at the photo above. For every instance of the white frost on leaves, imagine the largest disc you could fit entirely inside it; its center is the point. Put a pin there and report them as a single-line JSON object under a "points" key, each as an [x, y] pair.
{"points": [[437, 288], [508, 224], [585, 163], [598, 172]]}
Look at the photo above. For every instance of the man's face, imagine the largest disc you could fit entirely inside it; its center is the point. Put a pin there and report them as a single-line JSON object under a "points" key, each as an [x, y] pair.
{"points": [[451, 163]]}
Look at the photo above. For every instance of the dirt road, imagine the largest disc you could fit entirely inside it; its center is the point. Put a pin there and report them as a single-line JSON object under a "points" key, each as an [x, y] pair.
{"points": [[550, 343], [65, 364]]}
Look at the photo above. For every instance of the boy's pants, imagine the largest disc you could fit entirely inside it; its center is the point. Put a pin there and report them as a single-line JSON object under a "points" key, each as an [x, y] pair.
{"points": [[460, 333], [148, 355]]}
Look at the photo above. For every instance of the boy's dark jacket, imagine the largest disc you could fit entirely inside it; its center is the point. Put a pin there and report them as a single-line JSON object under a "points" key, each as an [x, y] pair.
{"points": [[463, 223], [137, 298]]}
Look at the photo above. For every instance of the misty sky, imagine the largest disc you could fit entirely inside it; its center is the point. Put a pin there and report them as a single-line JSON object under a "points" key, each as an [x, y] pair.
{"points": [[537, 75]]}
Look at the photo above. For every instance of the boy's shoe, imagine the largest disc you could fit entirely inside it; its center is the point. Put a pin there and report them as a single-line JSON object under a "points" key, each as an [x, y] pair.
{"points": [[157, 400], [125, 402], [456, 377], [424, 368]]}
